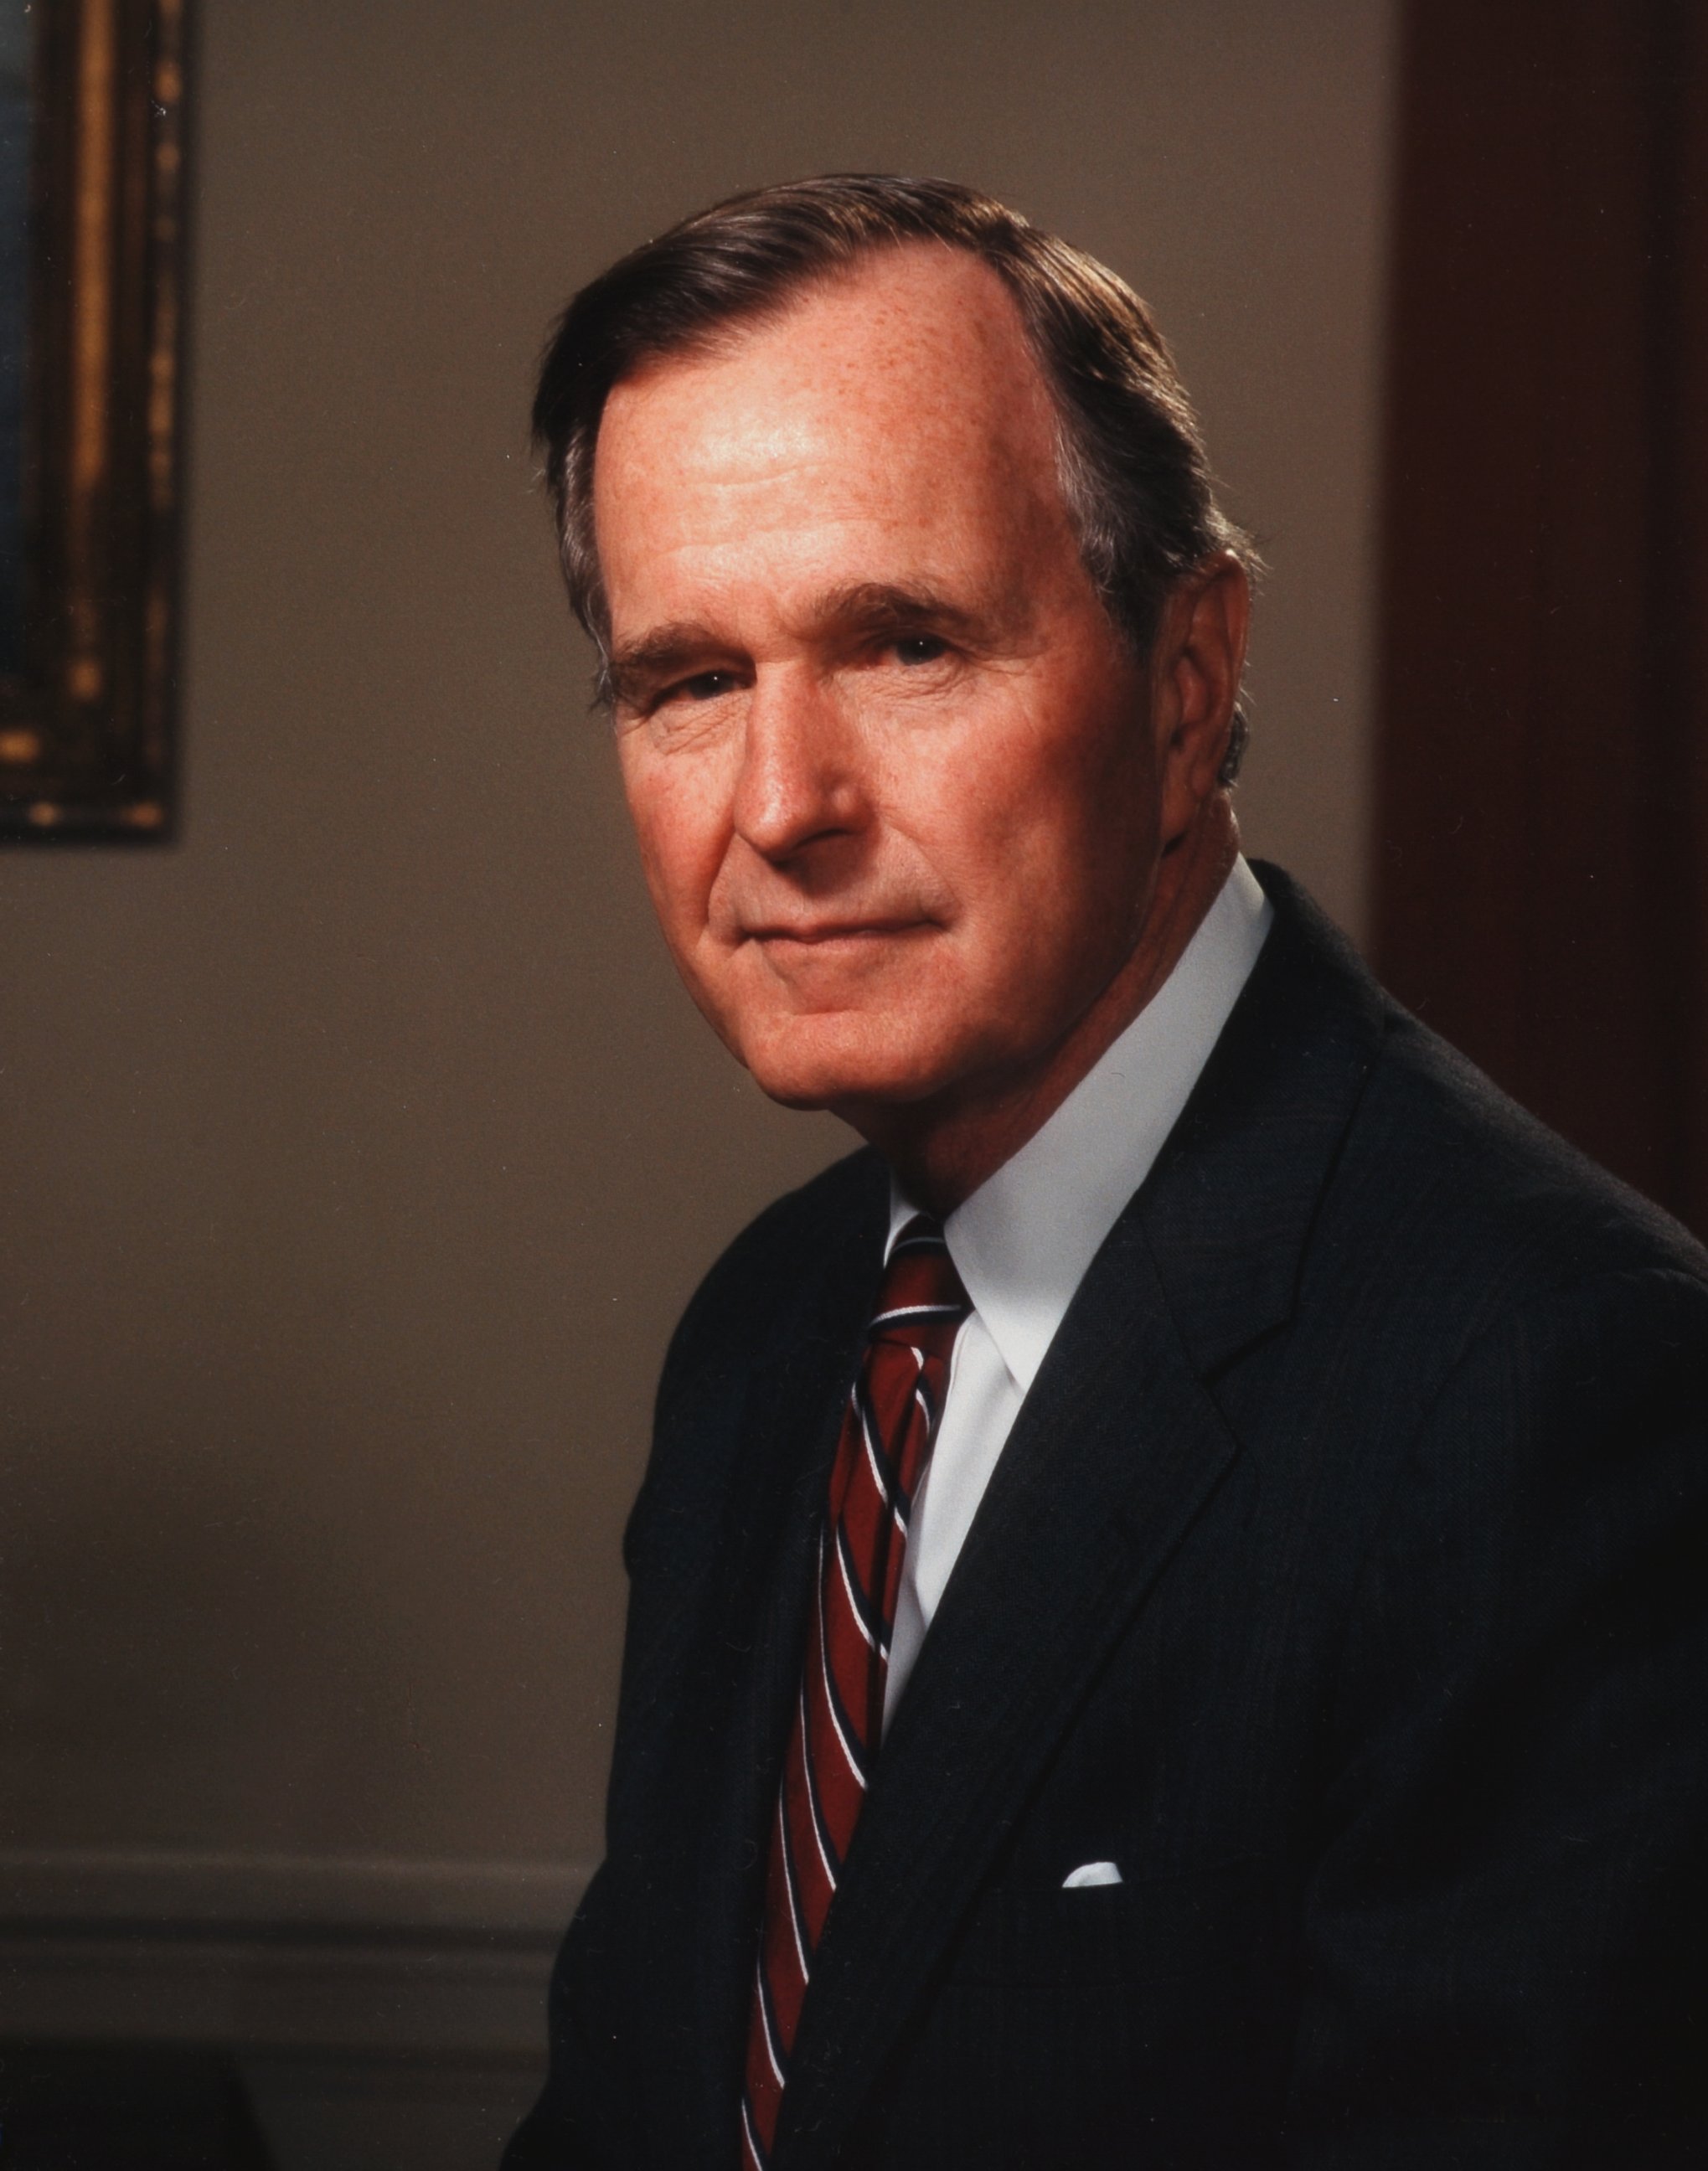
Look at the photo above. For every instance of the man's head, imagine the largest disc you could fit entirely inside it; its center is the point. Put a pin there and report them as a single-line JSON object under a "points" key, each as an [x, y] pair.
{"points": [[922, 631], [1131, 462]]}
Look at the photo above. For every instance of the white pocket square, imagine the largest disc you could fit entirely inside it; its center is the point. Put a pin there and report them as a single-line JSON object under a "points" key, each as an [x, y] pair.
{"points": [[1091, 1873]]}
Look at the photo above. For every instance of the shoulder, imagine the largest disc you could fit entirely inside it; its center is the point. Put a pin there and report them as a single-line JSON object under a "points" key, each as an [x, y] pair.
{"points": [[1443, 1206], [1535, 1337], [777, 1267], [766, 1304], [1565, 1385], [1479, 1210], [1350, 1209]]}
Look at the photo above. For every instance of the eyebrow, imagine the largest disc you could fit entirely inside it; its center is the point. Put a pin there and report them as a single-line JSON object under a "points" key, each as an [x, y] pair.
{"points": [[878, 606], [657, 655], [855, 606]]}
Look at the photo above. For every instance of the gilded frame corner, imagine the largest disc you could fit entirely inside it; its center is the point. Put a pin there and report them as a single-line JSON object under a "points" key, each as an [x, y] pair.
{"points": [[86, 725]]}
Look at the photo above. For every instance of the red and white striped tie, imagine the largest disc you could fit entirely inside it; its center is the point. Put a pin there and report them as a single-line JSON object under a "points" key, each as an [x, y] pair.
{"points": [[887, 1431]]}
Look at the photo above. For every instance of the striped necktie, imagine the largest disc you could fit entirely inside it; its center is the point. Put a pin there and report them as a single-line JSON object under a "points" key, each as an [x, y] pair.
{"points": [[887, 1430]]}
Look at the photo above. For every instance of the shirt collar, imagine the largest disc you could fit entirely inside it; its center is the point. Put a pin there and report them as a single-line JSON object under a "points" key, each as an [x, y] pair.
{"points": [[1022, 1240]]}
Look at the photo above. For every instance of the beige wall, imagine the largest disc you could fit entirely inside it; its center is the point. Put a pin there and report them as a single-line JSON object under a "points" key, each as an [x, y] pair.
{"points": [[361, 1149]]}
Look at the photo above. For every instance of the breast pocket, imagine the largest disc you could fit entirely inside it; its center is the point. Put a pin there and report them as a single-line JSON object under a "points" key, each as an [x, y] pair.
{"points": [[1103, 2026], [1104, 1935]]}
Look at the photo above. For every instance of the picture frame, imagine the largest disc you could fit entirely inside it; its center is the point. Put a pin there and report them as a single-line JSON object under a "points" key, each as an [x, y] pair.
{"points": [[92, 107]]}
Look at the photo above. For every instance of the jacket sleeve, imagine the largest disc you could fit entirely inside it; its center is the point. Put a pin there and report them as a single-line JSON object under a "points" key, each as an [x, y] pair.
{"points": [[576, 2125], [562, 2132], [1502, 1961], [582, 2121]]}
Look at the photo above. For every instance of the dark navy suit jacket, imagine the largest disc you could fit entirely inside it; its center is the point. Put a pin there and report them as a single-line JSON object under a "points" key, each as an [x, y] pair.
{"points": [[1344, 1581]]}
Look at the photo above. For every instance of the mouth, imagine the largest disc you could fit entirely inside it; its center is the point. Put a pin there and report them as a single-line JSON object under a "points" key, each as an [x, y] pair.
{"points": [[817, 934]]}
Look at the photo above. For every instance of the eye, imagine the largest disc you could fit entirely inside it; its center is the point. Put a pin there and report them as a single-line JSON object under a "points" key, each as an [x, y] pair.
{"points": [[703, 686], [916, 648]]}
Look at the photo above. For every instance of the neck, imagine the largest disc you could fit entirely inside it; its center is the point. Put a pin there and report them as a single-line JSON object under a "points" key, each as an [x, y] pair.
{"points": [[944, 1148]]}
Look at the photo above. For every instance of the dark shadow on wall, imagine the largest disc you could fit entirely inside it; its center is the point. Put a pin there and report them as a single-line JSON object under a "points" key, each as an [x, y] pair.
{"points": [[1541, 861]]}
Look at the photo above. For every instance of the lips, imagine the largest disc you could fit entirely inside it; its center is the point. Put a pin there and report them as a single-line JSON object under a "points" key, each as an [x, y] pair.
{"points": [[833, 932]]}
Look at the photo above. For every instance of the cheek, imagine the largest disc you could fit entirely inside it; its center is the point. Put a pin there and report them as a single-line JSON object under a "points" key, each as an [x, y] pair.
{"points": [[1054, 870], [678, 831], [1104, 812], [1034, 835]]}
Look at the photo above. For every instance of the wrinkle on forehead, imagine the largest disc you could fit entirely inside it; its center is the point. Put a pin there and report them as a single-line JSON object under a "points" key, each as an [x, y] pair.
{"points": [[919, 349]]}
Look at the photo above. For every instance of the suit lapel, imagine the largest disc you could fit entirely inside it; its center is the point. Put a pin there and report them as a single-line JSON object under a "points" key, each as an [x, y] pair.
{"points": [[1116, 1449]]}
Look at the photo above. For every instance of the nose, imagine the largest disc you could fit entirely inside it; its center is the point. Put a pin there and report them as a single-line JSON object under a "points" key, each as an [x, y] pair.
{"points": [[799, 780]]}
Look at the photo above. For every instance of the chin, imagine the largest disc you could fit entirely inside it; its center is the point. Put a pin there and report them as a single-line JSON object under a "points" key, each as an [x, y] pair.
{"points": [[840, 1065]]}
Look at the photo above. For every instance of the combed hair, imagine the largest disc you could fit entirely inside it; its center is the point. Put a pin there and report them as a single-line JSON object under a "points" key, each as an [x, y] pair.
{"points": [[1130, 453]]}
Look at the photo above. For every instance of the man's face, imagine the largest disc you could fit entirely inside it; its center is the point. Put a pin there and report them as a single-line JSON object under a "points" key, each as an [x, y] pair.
{"points": [[889, 763]]}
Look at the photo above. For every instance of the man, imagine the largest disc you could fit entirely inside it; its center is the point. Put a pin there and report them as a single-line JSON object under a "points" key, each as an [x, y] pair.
{"points": [[1167, 1619]]}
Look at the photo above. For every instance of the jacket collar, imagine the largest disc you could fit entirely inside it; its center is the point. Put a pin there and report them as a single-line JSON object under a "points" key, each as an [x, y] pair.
{"points": [[1228, 1208], [1023, 1242]]}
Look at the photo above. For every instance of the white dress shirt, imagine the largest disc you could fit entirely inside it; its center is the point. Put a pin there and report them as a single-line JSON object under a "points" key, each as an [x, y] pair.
{"points": [[1023, 1239]]}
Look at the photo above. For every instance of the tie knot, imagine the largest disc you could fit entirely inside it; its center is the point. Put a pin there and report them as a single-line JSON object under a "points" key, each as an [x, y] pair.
{"points": [[922, 1301]]}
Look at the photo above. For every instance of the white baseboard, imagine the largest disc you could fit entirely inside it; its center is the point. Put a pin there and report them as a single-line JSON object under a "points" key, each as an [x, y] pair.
{"points": [[342, 1956]]}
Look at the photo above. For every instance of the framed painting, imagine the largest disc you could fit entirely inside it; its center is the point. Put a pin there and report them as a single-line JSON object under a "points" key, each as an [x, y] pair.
{"points": [[91, 269]]}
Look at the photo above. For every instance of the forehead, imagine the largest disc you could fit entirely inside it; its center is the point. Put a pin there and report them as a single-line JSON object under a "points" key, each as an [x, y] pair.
{"points": [[896, 407]]}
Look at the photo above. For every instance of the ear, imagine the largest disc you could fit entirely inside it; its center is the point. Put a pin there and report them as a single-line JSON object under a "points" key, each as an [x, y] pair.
{"points": [[1196, 662]]}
